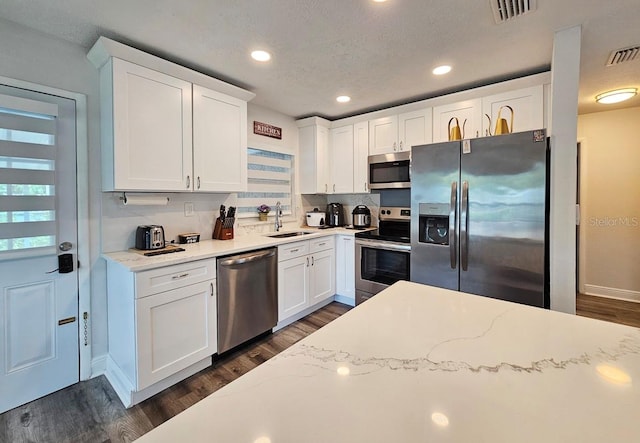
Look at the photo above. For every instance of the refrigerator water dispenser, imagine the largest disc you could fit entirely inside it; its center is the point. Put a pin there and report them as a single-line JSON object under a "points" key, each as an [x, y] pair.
{"points": [[433, 223], [434, 229]]}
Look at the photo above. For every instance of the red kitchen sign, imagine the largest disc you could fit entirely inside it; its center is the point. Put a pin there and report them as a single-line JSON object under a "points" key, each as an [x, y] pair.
{"points": [[267, 130]]}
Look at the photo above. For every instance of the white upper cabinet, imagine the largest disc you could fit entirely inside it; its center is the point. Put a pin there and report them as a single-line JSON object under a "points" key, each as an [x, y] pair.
{"points": [[313, 162], [527, 105], [149, 130], [383, 135], [467, 115], [219, 142], [165, 127], [341, 160], [398, 133], [414, 128], [473, 115], [360, 157]]}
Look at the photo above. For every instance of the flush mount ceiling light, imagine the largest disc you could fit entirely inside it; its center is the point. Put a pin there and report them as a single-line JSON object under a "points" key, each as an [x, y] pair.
{"points": [[261, 56], [343, 99], [617, 96], [441, 70]]}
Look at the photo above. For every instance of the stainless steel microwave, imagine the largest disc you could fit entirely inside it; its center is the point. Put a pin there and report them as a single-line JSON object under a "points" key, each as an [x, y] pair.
{"points": [[390, 171]]}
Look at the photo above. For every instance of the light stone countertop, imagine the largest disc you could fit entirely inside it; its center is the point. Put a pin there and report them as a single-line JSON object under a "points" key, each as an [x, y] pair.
{"points": [[136, 261], [423, 364]]}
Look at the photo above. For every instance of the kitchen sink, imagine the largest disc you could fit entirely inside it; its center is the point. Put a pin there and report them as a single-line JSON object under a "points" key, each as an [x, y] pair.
{"points": [[288, 234]]}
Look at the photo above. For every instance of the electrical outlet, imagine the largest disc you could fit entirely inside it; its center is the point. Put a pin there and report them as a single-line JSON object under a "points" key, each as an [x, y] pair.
{"points": [[189, 209]]}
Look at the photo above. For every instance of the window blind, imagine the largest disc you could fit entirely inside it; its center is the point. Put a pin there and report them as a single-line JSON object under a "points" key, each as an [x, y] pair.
{"points": [[27, 174], [270, 179]]}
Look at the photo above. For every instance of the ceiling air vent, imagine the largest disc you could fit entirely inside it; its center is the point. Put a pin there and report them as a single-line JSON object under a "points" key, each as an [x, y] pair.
{"points": [[504, 10], [623, 55]]}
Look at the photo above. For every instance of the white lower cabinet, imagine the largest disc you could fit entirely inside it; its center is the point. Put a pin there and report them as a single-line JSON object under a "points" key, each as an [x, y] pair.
{"points": [[345, 269], [174, 330], [306, 275], [161, 326]]}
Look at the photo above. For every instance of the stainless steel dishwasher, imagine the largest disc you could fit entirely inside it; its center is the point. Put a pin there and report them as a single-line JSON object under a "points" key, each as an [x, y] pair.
{"points": [[247, 296]]}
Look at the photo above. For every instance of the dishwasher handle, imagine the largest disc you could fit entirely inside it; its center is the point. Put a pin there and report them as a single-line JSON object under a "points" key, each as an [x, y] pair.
{"points": [[239, 260]]}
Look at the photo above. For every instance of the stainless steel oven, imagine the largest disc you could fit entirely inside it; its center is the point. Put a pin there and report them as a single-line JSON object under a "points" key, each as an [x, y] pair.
{"points": [[383, 256]]}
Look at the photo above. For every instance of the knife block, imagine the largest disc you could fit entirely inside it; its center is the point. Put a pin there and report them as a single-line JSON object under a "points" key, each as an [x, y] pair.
{"points": [[223, 230]]}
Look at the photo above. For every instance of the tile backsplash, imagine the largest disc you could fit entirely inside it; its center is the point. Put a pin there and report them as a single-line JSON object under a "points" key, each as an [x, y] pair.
{"points": [[119, 222]]}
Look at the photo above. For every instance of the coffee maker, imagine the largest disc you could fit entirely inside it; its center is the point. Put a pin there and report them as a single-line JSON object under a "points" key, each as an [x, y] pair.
{"points": [[334, 215]]}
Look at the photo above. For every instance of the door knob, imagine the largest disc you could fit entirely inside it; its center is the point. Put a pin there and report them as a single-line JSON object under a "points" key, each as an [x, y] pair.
{"points": [[65, 246]]}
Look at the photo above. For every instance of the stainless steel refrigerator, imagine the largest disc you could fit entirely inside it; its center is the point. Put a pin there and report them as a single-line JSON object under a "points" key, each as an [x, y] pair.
{"points": [[479, 216]]}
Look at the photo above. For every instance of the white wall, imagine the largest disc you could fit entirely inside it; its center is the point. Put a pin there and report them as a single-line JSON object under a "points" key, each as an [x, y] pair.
{"points": [[610, 207], [565, 75]]}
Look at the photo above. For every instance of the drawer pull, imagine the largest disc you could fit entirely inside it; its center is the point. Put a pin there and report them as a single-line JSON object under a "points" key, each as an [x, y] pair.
{"points": [[176, 277], [294, 250], [321, 244]]}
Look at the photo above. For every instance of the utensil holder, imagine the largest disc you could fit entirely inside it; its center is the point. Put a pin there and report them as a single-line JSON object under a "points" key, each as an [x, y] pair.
{"points": [[223, 230]]}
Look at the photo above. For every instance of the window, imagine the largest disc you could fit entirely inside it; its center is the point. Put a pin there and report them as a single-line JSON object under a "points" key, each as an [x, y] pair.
{"points": [[27, 174], [270, 179]]}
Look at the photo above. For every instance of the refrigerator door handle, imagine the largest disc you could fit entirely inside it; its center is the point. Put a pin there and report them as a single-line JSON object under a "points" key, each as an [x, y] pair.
{"points": [[453, 221], [464, 226]]}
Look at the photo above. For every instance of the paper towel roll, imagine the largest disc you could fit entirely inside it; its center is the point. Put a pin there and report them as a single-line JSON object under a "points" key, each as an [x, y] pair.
{"points": [[144, 200]]}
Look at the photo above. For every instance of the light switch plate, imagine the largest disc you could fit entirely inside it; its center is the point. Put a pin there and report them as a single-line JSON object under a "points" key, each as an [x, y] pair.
{"points": [[189, 209]]}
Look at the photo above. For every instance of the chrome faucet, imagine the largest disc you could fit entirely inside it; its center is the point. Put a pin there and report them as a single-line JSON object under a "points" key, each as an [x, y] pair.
{"points": [[278, 215]]}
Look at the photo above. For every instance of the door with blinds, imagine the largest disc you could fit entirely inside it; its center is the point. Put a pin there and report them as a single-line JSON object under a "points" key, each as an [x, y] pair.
{"points": [[39, 351]]}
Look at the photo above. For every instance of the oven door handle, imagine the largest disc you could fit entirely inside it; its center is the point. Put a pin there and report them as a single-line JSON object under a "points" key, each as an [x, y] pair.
{"points": [[384, 245]]}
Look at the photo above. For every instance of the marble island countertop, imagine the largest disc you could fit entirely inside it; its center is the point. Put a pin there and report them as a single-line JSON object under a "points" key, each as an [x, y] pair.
{"points": [[417, 363], [135, 261]]}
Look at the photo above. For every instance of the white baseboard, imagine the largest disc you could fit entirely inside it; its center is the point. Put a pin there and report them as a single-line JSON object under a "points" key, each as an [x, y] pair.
{"points": [[295, 317], [620, 294], [98, 365], [126, 391], [351, 301]]}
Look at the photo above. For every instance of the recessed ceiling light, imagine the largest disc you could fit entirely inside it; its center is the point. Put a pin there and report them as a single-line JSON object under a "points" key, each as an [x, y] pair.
{"points": [[617, 96], [343, 99], [379, 1], [441, 70], [261, 56]]}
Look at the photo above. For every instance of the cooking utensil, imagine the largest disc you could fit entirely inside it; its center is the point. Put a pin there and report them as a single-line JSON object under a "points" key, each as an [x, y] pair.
{"points": [[315, 218], [361, 217]]}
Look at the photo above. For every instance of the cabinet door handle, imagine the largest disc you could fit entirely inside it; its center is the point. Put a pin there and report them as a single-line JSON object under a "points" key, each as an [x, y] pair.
{"points": [[188, 181], [334, 187], [176, 277], [312, 261], [325, 188], [395, 146], [211, 289], [198, 182], [401, 145], [365, 186], [307, 262]]}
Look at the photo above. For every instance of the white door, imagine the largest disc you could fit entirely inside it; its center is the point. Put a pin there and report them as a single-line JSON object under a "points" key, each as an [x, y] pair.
{"points": [[39, 351]]}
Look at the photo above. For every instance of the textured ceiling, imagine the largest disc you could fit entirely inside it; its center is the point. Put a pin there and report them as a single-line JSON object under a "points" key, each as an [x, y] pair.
{"points": [[378, 53]]}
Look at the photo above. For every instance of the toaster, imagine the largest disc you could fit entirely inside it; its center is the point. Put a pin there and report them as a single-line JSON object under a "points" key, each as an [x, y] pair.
{"points": [[150, 237]]}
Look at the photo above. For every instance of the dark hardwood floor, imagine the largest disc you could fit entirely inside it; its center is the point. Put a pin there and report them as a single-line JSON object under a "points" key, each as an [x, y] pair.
{"points": [[90, 411]]}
